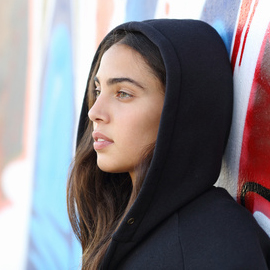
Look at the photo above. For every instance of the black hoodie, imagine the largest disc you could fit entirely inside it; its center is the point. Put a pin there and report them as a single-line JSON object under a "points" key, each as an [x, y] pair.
{"points": [[179, 220]]}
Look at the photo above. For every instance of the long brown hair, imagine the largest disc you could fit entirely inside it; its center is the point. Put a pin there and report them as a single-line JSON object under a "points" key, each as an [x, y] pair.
{"points": [[97, 201]]}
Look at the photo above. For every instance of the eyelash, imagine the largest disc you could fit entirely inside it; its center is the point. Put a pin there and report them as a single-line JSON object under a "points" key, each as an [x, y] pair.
{"points": [[118, 94], [127, 95]]}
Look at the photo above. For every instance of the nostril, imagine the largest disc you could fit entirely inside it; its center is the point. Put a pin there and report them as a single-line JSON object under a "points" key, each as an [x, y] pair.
{"points": [[93, 116]]}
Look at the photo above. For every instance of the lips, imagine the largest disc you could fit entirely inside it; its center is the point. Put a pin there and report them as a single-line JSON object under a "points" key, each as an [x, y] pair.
{"points": [[100, 140]]}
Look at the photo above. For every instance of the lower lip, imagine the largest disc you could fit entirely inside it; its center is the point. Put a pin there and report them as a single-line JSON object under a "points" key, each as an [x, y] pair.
{"points": [[101, 145]]}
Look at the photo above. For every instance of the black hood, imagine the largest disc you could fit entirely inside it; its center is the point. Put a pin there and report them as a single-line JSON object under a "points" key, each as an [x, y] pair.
{"points": [[194, 125]]}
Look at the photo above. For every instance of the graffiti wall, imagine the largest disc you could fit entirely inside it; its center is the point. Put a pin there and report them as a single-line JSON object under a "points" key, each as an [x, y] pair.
{"points": [[46, 48]]}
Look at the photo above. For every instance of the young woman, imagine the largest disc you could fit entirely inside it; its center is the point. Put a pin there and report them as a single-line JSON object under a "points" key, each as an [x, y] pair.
{"points": [[153, 128]]}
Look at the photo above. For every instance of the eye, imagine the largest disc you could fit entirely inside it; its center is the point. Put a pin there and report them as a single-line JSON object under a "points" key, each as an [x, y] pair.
{"points": [[123, 95], [96, 93]]}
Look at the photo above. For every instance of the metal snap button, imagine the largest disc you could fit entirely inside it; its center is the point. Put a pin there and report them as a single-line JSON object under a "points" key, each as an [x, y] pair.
{"points": [[130, 221]]}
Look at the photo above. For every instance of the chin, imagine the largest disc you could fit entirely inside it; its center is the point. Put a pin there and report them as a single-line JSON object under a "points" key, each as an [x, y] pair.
{"points": [[107, 167], [110, 168]]}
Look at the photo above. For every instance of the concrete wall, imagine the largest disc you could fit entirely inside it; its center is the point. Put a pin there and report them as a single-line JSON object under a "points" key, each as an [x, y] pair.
{"points": [[46, 48]]}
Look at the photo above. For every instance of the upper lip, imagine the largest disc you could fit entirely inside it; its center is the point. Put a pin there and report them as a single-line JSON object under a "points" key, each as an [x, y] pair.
{"points": [[98, 135]]}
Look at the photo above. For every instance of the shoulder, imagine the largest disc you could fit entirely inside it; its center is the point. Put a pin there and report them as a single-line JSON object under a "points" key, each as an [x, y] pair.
{"points": [[215, 231]]}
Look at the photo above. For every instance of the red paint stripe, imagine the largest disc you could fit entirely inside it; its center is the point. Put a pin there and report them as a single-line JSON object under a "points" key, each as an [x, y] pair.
{"points": [[256, 202], [248, 27], [245, 8], [255, 153]]}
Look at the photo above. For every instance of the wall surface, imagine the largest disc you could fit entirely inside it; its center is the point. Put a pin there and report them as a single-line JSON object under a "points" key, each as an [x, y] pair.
{"points": [[46, 47]]}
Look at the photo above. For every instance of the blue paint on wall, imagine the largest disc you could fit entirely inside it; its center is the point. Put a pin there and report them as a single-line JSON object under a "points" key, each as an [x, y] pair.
{"points": [[138, 10], [222, 15], [51, 243]]}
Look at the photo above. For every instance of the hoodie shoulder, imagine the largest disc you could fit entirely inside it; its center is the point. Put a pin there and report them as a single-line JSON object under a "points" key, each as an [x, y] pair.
{"points": [[218, 233]]}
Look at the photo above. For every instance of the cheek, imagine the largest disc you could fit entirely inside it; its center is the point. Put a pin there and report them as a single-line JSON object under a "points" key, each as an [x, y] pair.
{"points": [[140, 130]]}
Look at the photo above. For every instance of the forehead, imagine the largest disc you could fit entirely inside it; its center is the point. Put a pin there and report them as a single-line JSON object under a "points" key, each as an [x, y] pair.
{"points": [[121, 58]]}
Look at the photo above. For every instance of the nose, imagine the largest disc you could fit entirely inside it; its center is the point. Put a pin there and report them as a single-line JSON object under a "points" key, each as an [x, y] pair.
{"points": [[99, 111]]}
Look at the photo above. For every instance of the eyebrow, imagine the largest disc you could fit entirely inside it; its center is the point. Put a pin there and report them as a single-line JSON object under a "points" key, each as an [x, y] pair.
{"points": [[113, 81]]}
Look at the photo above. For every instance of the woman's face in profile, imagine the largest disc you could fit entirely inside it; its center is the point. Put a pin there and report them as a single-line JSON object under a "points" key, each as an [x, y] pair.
{"points": [[127, 110]]}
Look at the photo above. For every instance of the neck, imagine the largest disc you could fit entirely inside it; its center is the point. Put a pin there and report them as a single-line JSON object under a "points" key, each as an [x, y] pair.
{"points": [[133, 177]]}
